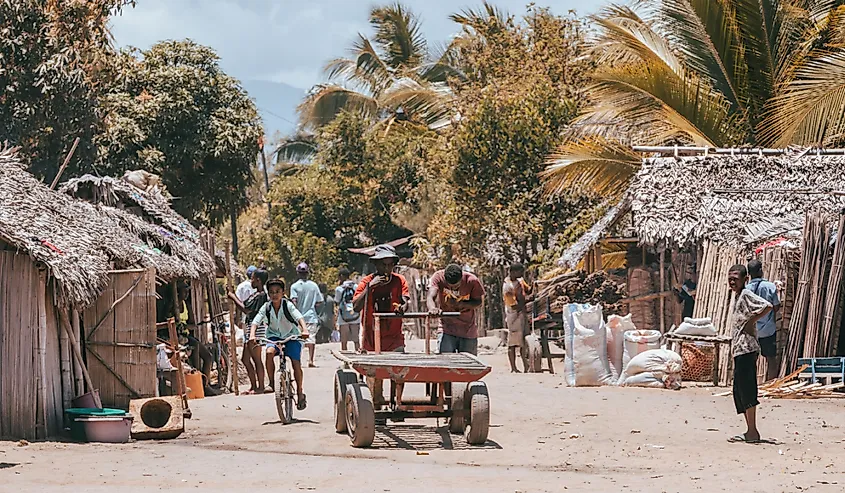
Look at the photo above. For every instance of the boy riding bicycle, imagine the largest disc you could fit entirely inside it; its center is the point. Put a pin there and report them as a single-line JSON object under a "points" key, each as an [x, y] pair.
{"points": [[283, 320]]}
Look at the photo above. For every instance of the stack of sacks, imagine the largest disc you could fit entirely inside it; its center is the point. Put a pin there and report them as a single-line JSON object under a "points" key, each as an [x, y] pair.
{"points": [[696, 327], [616, 328], [656, 368]]}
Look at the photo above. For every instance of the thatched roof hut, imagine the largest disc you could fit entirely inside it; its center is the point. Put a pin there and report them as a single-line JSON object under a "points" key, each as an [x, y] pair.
{"points": [[149, 216], [738, 201], [77, 242]]}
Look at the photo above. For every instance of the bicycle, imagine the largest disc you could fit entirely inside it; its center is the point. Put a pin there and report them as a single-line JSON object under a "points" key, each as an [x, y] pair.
{"points": [[219, 349], [286, 398]]}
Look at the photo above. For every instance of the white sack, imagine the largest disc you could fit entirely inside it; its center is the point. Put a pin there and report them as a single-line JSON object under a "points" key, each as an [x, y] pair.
{"points": [[698, 321], [689, 329], [616, 328], [638, 341], [586, 347], [650, 380]]}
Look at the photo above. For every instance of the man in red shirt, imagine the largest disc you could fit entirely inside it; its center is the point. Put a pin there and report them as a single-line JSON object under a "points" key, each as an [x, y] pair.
{"points": [[453, 290], [382, 292]]}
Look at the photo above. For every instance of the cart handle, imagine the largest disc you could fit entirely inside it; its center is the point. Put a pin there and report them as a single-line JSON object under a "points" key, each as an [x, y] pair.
{"points": [[418, 315]]}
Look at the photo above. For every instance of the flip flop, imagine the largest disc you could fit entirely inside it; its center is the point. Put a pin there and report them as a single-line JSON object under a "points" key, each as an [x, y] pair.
{"points": [[742, 439], [301, 403], [248, 392]]}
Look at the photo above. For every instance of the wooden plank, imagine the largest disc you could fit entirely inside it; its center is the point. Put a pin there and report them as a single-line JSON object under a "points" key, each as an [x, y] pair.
{"points": [[78, 373], [55, 398], [101, 376], [41, 356]]}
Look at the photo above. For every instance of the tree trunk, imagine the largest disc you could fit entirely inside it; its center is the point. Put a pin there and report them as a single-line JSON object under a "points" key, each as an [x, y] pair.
{"points": [[266, 191], [234, 220]]}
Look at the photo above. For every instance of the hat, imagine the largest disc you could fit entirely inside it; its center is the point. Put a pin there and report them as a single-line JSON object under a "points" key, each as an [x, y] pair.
{"points": [[303, 267], [278, 281], [384, 251], [250, 270]]}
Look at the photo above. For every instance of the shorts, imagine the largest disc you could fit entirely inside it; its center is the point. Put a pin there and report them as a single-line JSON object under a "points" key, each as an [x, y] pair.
{"points": [[454, 344], [260, 332], [292, 349], [769, 346], [517, 322], [745, 382], [312, 332], [350, 330]]}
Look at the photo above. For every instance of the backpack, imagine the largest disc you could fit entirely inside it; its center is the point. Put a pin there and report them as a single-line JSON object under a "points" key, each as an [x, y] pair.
{"points": [[285, 310], [347, 313]]}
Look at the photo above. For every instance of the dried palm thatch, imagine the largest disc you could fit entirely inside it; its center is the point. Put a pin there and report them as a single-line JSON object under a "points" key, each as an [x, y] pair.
{"points": [[576, 252], [737, 201], [74, 240], [149, 216]]}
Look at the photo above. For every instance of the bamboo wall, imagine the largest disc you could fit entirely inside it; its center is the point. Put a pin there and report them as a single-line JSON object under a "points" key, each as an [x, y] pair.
{"points": [[30, 369], [120, 353]]}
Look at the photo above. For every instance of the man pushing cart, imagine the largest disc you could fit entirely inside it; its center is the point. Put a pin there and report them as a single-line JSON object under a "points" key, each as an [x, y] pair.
{"points": [[453, 389]]}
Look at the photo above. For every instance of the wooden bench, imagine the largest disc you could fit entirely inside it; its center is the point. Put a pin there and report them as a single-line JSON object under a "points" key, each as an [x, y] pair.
{"points": [[826, 370]]}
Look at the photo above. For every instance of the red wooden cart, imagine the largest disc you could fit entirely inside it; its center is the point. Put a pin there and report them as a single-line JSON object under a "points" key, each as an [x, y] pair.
{"points": [[452, 389]]}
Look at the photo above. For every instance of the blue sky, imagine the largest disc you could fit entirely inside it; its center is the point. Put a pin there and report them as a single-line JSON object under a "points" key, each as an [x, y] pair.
{"points": [[287, 43]]}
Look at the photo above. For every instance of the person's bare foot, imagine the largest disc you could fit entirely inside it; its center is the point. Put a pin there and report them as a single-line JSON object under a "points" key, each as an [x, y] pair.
{"points": [[752, 437], [514, 370], [312, 365]]}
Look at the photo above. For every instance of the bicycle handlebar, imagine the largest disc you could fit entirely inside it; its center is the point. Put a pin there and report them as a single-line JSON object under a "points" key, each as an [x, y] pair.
{"points": [[264, 340]]}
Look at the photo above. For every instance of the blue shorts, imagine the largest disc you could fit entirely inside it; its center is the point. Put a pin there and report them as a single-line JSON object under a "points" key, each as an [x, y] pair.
{"points": [[292, 349]]}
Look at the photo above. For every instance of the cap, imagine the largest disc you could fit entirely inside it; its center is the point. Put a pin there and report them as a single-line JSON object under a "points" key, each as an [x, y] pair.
{"points": [[303, 267], [384, 251], [250, 270]]}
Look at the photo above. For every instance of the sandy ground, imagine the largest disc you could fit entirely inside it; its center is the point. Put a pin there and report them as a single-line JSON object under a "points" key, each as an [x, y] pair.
{"points": [[543, 437]]}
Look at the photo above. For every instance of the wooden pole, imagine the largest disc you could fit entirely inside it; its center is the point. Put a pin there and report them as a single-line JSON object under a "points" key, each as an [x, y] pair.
{"points": [[180, 374], [77, 367], [662, 288], [41, 427], [64, 164], [233, 352], [77, 353]]}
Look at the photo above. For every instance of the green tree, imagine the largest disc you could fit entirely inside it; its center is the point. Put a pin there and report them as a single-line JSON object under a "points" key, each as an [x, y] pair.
{"points": [[51, 53], [171, 110], [709, 73]]}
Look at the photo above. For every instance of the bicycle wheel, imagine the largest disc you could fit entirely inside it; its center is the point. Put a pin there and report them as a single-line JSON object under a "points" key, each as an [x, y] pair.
{"points": [[283, 396]]}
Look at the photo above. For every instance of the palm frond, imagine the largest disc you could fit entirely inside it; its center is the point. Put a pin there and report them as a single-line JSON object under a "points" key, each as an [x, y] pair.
{"points": [[597, 167], [398, 33], [810, 110], [664, 107], [295, 149], [627, 38], [707, 34], [443, 64], [326, 101], [364, 68], [758, 23], [489, 16], [428, 103]]}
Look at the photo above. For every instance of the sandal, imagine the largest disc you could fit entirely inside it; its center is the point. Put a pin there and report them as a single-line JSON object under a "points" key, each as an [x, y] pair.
{"points": [[301, 403], [742, 439]]}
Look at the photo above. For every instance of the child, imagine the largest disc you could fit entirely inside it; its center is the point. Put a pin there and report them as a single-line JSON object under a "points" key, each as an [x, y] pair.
{"points": [[748, 309]]}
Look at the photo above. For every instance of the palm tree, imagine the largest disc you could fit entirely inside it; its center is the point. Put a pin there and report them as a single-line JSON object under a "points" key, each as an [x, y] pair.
{"points": [[709, 73], [392, 72]]}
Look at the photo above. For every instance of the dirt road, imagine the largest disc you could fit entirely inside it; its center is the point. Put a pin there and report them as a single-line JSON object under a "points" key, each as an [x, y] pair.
{"points": [[544, 437]]}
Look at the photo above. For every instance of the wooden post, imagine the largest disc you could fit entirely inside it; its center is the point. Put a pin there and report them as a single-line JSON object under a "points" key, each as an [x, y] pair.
{"points": [[77, 353], [662, 288], [64, 164], [377, 332], [78, 377], [180, 374], [427, 335], [233, 352], [41, 427]]}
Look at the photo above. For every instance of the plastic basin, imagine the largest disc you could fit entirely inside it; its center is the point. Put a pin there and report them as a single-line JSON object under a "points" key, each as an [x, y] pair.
{"points": [[107, 429]]}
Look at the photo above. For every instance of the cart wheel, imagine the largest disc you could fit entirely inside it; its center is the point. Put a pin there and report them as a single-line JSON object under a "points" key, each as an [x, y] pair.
{"points": [[479, 421], [341, 379], [284, 397], [458, 424], [535, 354], [360, 415]]}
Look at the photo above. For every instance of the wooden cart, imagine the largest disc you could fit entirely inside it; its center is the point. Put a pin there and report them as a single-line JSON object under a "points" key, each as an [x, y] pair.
{"points": [[452, 389]]}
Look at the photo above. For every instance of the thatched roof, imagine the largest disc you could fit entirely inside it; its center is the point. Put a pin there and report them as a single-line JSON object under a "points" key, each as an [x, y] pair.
{"points": [[576, 252], [738, 200], [89, 243], [152, 218], [688, 199]]}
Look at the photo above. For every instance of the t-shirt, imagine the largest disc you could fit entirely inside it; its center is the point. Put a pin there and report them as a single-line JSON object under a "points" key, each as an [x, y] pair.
{"points": [[345, 313], [747, 305], [766, 326], [470, 288], [687, 299], [306, 294], [381, 300], [277, 324], [327, 313], [245, 290], [510, 290]]}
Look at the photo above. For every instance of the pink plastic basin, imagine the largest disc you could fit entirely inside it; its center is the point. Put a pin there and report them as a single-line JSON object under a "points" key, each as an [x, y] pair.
{"points": [[108, 429]]}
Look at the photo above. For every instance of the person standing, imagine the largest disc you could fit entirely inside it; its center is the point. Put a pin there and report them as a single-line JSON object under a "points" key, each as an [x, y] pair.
{"points": [[327, 321], [251, 356], [685, 293], [246, 288], [382, 292], [453, 290], [515, 293], [306, 295], [348, 321], [766, 327], [747, 310]]}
